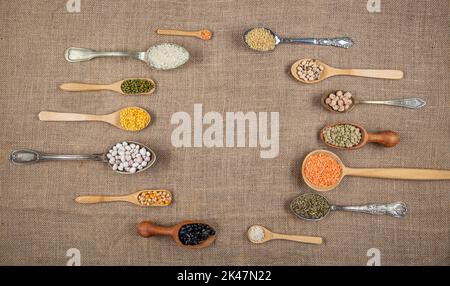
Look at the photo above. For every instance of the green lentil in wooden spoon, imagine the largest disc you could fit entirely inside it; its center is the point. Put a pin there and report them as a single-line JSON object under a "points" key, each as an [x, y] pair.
{"points": [[133, 86]]}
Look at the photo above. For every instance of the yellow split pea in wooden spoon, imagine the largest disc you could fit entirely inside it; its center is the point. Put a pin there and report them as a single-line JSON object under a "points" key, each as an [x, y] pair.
{"points": [[130, 118]]}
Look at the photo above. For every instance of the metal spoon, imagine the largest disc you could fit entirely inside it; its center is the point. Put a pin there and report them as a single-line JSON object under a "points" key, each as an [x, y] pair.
{"points": [[341, 42], [116, 86], [396, 209], [27, 156], [112, 118], [269, 235], [82, 54], [413, 103], [330, 71]]}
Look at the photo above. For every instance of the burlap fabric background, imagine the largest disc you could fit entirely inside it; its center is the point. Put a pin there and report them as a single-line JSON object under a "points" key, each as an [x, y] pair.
{"points": [[232, 188]]}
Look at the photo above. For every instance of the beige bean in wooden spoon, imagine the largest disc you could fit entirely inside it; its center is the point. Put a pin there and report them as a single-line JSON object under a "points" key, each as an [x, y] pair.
{"points": [[144, 198], [259, 234], [329, 71], [121, 118], [203, 34], [116, 86], [322, 157]]}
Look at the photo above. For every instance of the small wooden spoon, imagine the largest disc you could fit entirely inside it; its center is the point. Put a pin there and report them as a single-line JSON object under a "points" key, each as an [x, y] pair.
{"points": [[384, 173], [131, 198], [329, 71], [385, 138], [149, 229], [203, 34], [269, 235], [116, 86], [112, 118]]}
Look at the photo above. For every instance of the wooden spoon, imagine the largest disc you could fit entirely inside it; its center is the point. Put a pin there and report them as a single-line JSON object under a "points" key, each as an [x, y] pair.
{"points": [[329, 71], [112, 118], [203, 34], [131, 198], [116, 86], [385, 173], [385, 138], [149, 229], [269, 235]]}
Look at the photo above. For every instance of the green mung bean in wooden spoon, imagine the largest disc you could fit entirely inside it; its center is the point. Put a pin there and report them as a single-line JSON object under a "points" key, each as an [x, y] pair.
{"points": [[129, 86]]}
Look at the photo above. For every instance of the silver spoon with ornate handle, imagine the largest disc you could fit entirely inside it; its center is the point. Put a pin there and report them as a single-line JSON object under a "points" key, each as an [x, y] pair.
{"points": [[27, 156], [74, 54], [340, 42], [412, 103], [395, 209]]}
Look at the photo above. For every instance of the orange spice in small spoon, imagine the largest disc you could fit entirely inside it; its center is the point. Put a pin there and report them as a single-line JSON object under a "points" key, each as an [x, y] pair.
{"points": [[203, 34]]}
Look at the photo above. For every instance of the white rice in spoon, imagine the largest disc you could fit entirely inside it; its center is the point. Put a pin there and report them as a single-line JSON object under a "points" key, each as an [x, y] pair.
{"points": [[167, 56]]}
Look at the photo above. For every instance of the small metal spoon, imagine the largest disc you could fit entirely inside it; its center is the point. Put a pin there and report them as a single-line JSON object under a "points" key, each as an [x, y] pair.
{"points": [[413, 103], [396, 209], [82, 54], [341, 42], [27, 156]]}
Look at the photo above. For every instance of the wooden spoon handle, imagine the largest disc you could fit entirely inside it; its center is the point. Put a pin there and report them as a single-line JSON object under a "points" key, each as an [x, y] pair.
{"points": [[385, 138], [60, 116], [399, 173], [100, 199], [83, 87], [299, 238], [148, 229], [177, 33], [386, 74]]}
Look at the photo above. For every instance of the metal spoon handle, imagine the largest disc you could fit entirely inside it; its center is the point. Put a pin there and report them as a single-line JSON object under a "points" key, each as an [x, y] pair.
{"points": [[61, 157], [26, 156], [397, 209], [413, 103], [342, 42], [74, 54]]}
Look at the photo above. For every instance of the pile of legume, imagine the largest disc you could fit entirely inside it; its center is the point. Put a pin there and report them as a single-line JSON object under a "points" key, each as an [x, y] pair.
{"points": [[154, 198], [340, 101], [133, 86], [309, 69], [128, 157], [310, 206], [195, 233], [322, 170], [342, 135], [134, 118], [260, 39], [256, 233]]}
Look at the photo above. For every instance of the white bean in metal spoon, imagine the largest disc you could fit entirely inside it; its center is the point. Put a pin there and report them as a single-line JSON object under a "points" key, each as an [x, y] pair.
{"points": [[127, 157], [162, 57]]}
